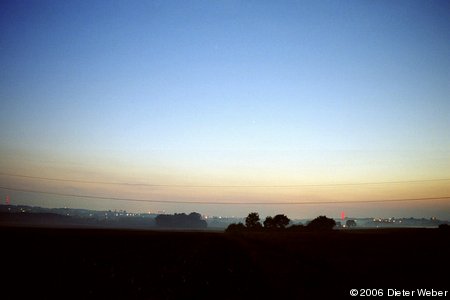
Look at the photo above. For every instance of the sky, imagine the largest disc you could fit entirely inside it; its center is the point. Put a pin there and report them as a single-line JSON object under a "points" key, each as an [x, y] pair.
{"points": [[227, 101]]}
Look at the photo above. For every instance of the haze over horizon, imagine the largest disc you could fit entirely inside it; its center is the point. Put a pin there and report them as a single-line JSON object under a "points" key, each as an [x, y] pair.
{"points": [[227, 101]]}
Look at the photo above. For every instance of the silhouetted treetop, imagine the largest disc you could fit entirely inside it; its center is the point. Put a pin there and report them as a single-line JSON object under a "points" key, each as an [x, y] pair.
{"points": [[252, 221], [281, 222], [321, 223], [233, 228], [268, 222], [193, 220], [277, 222]]}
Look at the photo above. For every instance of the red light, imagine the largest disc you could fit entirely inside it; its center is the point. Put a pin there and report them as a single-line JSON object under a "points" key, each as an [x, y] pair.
{"points": [[8, 200], [342, 215]]}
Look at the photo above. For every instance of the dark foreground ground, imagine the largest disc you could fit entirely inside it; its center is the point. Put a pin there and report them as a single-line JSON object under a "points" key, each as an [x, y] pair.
{"points": [[41, 263]]}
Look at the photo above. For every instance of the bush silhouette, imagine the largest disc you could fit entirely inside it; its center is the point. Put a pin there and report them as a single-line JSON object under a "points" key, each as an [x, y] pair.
{"points": [[350, 223], [321, 223], [233, 228], [193, 221]]}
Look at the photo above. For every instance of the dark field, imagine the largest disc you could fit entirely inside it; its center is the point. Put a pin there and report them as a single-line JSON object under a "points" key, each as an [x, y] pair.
{"points": [[125, 264]]}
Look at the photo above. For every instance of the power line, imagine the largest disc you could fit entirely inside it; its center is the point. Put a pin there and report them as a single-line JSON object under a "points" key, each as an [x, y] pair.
{"points": [[222, 186], [73, 180], [224, 203]]}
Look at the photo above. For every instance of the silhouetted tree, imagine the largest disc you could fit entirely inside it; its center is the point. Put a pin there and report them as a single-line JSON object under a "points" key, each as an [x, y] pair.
{"points": [[252, 221], [193, 220], [195, 216], [277, 222], [281, 221], [350, 223], [321, 223], [268, 223], [233, 228]]}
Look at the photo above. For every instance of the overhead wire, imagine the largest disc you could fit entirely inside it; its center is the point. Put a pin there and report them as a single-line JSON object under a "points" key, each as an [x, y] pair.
{"points": [[222, 186], [225, 202]]}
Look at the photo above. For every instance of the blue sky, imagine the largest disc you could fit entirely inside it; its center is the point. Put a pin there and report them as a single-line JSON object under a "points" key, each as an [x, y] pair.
{"points": [[226, 92]]}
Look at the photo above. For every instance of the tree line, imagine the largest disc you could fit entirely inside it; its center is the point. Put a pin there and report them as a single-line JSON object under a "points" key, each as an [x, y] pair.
{"points": [[279, 222], [191, 221]]}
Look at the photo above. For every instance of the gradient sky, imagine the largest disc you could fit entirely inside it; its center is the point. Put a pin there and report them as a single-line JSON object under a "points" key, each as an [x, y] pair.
{"points": [[227, 93]]}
